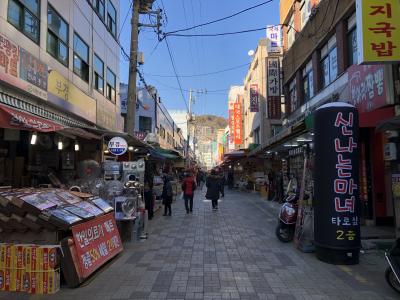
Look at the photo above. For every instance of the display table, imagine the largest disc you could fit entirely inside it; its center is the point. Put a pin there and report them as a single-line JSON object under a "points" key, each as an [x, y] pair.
{"points": [[84, 227]]}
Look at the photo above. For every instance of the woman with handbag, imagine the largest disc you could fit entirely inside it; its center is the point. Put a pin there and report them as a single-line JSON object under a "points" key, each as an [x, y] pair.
{"points": [[213, 184]]}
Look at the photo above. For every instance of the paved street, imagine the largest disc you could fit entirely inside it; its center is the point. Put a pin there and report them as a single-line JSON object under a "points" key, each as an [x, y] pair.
{"points": [[229, 254]]}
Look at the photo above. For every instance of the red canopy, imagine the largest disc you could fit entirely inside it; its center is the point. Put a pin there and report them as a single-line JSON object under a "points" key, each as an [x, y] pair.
{"points": [[17, 119]]}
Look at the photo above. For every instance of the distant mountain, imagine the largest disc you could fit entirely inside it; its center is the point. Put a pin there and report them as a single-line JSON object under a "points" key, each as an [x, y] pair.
{"points": [[215, 122]]}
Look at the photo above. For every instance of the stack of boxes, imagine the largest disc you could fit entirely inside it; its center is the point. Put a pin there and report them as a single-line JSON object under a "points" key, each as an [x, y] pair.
{"points": [[29, 268]]}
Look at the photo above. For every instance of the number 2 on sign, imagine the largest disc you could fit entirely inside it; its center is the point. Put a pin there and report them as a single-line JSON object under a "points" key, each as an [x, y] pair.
{"points": [[340, 234]]}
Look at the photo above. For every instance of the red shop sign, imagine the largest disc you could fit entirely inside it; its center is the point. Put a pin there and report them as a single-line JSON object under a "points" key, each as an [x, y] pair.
{"points": [[96, 242], [367, 87], [16, 119]]}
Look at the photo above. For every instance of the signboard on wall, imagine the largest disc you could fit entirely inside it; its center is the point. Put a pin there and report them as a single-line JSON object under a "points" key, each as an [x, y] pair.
{"points": [[238, 121], [273, 83], [368, 87], [66, 95], [96, 242], [254, 101], [274, 39], [378, 30], [21, 69]]}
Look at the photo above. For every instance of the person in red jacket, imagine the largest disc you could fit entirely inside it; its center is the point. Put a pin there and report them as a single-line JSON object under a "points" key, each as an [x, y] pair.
{"points": [[188, 187]]}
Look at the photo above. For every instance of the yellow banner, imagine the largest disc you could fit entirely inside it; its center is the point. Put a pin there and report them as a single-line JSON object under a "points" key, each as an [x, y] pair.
{"points": [[66, 95], [378, 30]]}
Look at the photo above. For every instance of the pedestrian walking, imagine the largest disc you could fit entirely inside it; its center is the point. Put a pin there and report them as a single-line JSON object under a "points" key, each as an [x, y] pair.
{"points": [[213, 184], [167, 195], [188, 188]]}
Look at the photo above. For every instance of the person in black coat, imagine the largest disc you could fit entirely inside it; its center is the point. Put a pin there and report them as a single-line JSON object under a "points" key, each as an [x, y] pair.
{"points": [[167, 195], [213, 184]]}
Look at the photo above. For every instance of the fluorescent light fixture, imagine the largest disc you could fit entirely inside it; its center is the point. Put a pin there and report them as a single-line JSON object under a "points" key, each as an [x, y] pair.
{"points": [[130, 148], [60, 145], [106, 151], [76, 146], [288, 145], [303, 140], [33, 138], [137, 149]]}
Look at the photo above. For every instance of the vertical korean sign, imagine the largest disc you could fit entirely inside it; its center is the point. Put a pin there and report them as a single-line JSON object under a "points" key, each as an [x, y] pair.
{"points": [[378, 30], [273, 88], [254, 102], [96, 242], [231, 122], [238, 134], [337, 209], [274, 38]]}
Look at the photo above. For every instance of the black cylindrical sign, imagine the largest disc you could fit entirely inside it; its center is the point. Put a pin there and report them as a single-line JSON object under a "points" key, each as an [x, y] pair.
{"points": [[337, 201]]}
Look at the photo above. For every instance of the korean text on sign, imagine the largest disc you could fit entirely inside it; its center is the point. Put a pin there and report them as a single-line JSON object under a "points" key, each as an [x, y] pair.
{"points": [[378, 30], [344, 184]]}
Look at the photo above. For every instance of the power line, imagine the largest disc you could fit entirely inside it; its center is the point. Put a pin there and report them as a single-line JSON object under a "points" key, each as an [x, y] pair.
{"points": [[226, 33], [203, 74], [176, 73], [126, 17], [221, 19]]}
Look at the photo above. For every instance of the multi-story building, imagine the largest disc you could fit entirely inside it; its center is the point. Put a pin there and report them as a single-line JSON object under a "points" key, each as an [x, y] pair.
{"points": [[59, 60], [320, 65], [152, 117], [260, 121]]}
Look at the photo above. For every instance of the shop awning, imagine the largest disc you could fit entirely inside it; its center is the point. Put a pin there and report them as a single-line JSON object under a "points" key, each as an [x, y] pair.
{"points": [[168, 153], [17, 119], [388, 125]]}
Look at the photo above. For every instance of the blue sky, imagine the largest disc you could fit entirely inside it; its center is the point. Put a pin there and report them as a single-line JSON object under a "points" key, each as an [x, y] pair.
{"points": [[198, 55]]}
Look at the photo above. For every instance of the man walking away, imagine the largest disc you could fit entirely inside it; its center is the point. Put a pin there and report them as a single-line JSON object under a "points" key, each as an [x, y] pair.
{"points": [[167, 196], [213, 184], [188, 187]]}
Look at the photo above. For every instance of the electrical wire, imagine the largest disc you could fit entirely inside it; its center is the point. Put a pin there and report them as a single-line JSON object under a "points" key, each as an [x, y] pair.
{"points": [[176, 73], [126, 17], [227, 33], [221, 19], [203, 74]]}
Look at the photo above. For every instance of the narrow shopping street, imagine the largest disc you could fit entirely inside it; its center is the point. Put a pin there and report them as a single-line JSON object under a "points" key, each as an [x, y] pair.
{"points": [[231, 253]]}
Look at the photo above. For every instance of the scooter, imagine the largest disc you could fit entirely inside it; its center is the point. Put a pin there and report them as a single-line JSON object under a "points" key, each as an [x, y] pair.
{"points": [[392, 273], [287, 218]]}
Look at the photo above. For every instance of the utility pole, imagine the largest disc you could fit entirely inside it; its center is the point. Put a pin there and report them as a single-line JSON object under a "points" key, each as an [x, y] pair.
{"points": [[131, 101]]}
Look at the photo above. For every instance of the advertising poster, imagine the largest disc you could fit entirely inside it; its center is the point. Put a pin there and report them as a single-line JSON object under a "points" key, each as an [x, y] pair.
{"points": [[231, 120], [96, 242]]}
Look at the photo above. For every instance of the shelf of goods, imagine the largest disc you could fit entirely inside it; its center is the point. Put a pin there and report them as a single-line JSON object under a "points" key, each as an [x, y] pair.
{"points": [[31, 219]]}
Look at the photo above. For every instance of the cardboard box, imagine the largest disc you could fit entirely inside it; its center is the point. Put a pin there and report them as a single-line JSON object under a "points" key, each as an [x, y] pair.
{"points": [[6, 256], [19, 257], [31, 260], [17, 279], [50, 282], [5, 280], [48, 257]]}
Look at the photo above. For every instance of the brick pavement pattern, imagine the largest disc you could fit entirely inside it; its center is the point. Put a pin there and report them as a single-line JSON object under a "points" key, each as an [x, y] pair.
{"points": [[231, 253]]}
